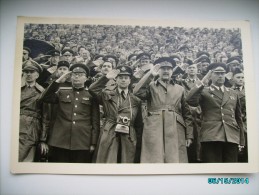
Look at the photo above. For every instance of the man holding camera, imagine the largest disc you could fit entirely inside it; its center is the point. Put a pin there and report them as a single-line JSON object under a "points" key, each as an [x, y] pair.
{"points": [[123, 120]]}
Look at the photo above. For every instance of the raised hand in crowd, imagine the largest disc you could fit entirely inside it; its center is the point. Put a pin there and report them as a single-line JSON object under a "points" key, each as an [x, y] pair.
{"points": [[155, 69], [206, 78], [52, 69], [113, 74], [64, 77]]}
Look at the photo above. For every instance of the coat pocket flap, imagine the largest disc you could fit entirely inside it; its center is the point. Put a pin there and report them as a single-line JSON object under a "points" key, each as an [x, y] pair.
{"points": [[65, 98], [86, 101]]}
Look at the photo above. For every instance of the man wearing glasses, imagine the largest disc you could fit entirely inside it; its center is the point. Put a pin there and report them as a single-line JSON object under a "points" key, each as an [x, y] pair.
{"points": [[76, 128]]}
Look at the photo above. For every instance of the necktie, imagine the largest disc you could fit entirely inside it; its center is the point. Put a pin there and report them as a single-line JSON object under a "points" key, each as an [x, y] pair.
{"points": [[221, 91], [238, 88], [123, 95]]}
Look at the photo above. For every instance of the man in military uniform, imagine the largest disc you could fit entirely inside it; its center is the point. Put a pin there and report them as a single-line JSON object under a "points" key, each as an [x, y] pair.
{"points": [[123, 121], [222, 128], [51, 109], [26, 54], [30, 111], [194, 151], [167, 128], [76, 128], [68, 55], [238, 81], [233, 63], [49, 68]]}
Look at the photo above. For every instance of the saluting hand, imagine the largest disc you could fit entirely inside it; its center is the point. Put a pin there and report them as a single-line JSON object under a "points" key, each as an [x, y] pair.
{"points": [[64, 77], [154, 69], [206, 78], [113, 74], [135, 64], [52, 69]]}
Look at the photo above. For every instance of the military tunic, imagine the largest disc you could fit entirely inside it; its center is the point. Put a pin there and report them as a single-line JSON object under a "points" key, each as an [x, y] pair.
{"points": [[221, 115], [76, 126], [30, 121]]}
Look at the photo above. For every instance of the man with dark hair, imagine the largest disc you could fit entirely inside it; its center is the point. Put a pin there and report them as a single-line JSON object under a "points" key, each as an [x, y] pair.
{"points": [[222, 128]]}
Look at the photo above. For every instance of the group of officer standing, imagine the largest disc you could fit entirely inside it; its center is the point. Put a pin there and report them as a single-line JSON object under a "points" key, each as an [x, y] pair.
{"points": [[141, 111]]}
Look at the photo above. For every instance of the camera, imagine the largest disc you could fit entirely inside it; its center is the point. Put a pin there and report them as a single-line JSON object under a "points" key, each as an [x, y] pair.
{"points": [[123, 120]]}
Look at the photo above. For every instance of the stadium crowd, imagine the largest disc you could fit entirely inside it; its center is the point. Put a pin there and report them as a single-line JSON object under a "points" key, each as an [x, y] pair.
{"points": [[132, 94]]}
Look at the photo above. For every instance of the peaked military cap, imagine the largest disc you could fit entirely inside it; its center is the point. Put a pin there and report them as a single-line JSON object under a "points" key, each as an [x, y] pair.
{"points": [[166, 62], [237, 71], [80, 68], [31, 65], [63, 63], [217, 67], [125, 70], [53, 53], [27, 49], [143, 56], [235, 58], [67, 51]]}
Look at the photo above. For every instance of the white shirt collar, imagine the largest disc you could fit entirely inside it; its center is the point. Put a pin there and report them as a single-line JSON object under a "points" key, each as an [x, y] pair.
{"points": [[30, 85], [125, 91]]}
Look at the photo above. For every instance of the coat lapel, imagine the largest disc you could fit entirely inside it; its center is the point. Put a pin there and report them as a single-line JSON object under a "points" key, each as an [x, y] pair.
{"points": [[216, 92], [126, 104], [226, 96]]}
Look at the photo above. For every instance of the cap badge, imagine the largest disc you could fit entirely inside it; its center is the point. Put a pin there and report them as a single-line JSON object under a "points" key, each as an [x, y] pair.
{"points": [[123, 69]]}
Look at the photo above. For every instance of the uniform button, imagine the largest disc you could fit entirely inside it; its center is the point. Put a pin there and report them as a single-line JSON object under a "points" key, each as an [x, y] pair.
{"points": [[223, 121], [77, 92], [233, 116], [74, 114], [221, 108], [222, 114], [75, 106], [74, 122], [76, 98]]}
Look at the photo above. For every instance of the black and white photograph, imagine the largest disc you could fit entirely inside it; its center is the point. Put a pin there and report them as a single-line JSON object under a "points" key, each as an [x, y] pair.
{"points": [[133, 93], [129, 97]]}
